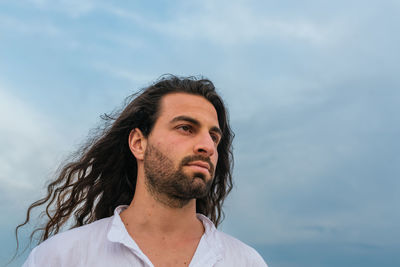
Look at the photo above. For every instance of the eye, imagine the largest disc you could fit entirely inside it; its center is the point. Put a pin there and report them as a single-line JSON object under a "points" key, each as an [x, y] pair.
{"points": [[215, 138], [185, 128]]}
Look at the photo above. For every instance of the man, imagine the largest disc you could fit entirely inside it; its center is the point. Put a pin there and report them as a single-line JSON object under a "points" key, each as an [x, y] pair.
{"points": [[168, 155]]}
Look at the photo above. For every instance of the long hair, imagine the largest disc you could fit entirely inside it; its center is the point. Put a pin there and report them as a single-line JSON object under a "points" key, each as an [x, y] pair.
{"points": [[103, 173]]}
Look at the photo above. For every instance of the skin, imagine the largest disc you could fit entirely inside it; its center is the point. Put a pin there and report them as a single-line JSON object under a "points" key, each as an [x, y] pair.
{"points": [[166, 230]]}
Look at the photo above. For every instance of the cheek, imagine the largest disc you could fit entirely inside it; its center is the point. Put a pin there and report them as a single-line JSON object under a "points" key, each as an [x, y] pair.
{"points": [[214, 158]]}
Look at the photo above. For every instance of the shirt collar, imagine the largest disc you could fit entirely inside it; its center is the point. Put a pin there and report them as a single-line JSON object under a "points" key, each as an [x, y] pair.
{"points": [[209, 246], [118, 233]]}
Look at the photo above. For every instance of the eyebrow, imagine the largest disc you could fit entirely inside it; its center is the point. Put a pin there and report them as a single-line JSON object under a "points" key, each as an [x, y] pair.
{"points": [[195, 122]]}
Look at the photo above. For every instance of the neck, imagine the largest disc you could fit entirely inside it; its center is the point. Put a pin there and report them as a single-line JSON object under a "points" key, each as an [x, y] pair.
{"points": [[147, 214]]}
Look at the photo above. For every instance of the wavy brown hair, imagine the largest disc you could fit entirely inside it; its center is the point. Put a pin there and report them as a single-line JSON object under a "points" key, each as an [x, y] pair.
{"points": [[102, 174]]}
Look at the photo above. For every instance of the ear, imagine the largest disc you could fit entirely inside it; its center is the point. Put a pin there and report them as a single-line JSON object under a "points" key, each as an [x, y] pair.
{"points": [[137, 143]]}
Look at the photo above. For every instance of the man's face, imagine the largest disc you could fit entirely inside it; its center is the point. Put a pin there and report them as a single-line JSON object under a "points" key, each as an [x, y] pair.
{"points": [[181, 153]]}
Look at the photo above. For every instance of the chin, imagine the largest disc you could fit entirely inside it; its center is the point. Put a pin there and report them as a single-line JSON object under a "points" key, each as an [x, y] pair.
{"points": [[201, 176]]}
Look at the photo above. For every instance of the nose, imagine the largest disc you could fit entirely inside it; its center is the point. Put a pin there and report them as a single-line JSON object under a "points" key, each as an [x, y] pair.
{"points": [[205, 145]]}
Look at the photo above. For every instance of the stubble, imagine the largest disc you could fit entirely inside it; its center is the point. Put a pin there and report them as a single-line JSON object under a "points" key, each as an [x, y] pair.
{"points": [[170, 186]]}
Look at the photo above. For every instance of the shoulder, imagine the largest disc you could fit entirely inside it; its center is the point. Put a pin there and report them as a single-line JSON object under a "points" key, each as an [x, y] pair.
{"points": [[231, 251], [239, 252], [74, 242], [77, 237]]}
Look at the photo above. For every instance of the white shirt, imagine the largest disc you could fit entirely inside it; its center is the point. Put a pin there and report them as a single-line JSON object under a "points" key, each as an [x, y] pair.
{"points": [[106, 242]]}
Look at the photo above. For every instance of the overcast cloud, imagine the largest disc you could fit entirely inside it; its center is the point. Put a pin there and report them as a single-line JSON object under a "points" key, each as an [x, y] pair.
{"points": [[313, 93]]}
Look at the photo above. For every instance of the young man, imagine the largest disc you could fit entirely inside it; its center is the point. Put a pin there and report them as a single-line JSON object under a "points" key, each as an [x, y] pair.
{"points": [[168, 155]]}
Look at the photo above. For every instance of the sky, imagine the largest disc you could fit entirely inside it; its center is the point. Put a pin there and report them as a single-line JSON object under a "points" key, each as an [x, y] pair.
{"points": [[312, 88]]}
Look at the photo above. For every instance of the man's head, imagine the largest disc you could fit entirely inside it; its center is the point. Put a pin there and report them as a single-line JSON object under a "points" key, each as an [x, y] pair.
{"points": [[181, 103], [185, 125], [180, 153]]}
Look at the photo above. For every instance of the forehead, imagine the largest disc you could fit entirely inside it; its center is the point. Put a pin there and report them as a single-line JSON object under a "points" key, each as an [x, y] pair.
{"points": [[178, 104]]}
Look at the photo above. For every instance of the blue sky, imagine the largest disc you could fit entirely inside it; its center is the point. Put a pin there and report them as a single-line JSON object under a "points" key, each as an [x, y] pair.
{"points": [[313, 94]]}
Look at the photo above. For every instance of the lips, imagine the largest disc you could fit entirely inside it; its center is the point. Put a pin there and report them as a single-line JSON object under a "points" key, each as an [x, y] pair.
{"points": [[201, 164]]}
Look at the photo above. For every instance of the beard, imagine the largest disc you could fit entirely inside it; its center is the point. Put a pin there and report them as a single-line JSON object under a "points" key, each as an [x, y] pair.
{"points": [[172, 186]]}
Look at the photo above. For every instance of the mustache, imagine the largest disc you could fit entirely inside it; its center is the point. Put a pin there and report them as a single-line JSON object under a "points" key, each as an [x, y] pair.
{"points": [[186, 160]]}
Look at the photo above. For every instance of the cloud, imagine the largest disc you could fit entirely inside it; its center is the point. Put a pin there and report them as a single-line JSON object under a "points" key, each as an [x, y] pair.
{"points": [[73, 8], [230, 23], [222, 22], [31, 27], [319, 170], [130, 75], [29, 148]]}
